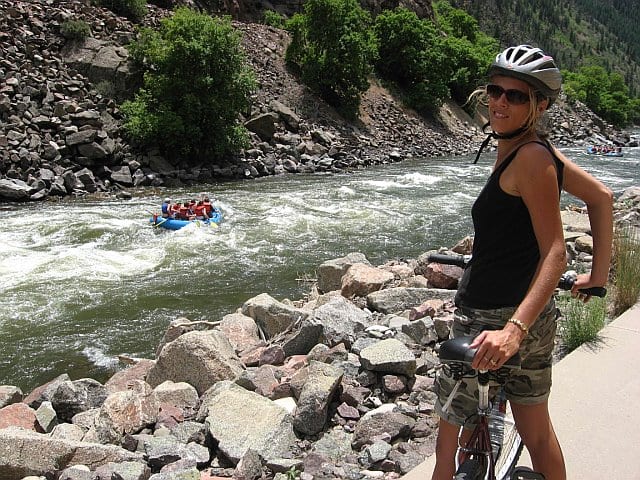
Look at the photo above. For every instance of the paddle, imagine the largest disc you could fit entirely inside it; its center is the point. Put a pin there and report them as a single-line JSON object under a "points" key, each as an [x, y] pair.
{"points": [[160, 223]]}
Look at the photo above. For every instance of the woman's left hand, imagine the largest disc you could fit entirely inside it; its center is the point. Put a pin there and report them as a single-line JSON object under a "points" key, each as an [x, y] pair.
{"points": [[494, 347], [583, 281]]}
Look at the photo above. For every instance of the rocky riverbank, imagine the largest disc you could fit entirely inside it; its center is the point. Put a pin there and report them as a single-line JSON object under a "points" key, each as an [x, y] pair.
{"points": [[335, 385], [60, 129]]}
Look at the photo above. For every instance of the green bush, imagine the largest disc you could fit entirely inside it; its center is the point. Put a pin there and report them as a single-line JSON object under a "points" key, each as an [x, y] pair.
{"points": [[468, 50], [411, 54], [196, 83], [627, 269], [134, 10], [273, 19], [333, 48], [75, 29], [581, 322], [604, 93], [429, 61]]}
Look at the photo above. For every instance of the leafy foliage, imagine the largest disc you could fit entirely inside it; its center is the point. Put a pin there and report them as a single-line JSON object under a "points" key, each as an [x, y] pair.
{"points": [[273, 19], [604, 93], [134, 10], [577, 33], [432, 61], [195, 85], [581, 323], [469, 50], [333, 48], [411, 54]]}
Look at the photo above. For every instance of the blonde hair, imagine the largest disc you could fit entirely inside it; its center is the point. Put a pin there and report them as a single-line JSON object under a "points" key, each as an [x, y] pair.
{"points": [[534, 115]]}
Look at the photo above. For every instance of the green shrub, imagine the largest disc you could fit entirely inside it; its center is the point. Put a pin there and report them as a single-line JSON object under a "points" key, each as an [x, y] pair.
{"points": [[273, 19], [432, 62], [75, 29], [603, 92], [106, 88], [196, 83], [581, 322], [411, 54], [468, 50], [333, 48], [627, 269], [134, 10]]}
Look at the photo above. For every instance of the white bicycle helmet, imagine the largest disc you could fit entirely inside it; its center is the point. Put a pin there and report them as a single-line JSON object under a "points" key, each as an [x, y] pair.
{"points": [[531, 65]]}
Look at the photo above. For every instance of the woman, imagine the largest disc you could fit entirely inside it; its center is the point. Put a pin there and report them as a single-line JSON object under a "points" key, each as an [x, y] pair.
{"points": [[505, 296]]}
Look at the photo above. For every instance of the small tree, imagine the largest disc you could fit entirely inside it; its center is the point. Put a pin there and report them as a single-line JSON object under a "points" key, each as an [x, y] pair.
{"points": [[411, 54], [195, 85], [333, 48]]}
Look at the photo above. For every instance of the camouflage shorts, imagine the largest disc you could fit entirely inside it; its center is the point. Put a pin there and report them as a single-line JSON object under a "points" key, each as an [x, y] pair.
{"points": [[528, 385]]}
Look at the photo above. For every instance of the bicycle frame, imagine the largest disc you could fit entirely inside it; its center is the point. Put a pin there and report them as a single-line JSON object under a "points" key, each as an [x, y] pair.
{"points": [[475, 457], [479, 444]]}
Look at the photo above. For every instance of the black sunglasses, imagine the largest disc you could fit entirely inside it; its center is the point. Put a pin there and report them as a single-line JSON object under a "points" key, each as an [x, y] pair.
{"points": [[514, 97]]}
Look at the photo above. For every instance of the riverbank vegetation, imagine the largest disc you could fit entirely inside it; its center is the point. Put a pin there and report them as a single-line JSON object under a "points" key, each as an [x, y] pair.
{"points": [[197, 84], [426, 61], [626, 261], [582, 322]]}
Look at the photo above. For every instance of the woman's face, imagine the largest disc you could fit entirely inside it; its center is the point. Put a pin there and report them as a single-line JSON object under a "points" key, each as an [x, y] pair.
{"points": [[509, 103]]}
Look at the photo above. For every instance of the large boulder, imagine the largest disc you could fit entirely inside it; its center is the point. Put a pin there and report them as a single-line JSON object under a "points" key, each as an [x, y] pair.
{"points": [[208, 354], [239, 420], [24, 453]]}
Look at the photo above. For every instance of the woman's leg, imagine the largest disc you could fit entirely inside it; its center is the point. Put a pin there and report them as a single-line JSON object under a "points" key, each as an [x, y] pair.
{"points": [[446, 447], [535, 428]]}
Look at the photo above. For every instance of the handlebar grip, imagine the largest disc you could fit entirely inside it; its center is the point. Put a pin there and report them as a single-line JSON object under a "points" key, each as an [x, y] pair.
{"points": [[566, 283], [594, 291], [445, 259]]}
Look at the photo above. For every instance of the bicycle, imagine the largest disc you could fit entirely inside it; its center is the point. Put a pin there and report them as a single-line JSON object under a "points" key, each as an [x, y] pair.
{"points": [[494, 447]]}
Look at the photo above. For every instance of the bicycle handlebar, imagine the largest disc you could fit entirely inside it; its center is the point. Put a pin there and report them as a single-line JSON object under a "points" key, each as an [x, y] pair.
{"points": [[566, 280]]}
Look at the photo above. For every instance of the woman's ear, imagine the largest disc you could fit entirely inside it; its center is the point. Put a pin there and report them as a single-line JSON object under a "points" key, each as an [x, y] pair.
{"points": [[543, 105]]}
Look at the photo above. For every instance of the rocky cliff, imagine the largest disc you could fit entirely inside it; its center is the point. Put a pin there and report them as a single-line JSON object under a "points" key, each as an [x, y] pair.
{"points": [[60, 130]]}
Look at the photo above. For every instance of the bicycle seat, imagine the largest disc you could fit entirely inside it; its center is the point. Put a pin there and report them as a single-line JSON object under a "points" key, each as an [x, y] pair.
{"points": [[458, 350]]}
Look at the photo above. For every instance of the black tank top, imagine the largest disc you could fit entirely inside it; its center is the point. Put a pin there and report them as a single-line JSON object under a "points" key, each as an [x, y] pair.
{"points": [[505, 250]]}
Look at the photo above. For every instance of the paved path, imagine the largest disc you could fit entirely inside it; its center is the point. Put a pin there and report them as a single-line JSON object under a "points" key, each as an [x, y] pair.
{"points": [[595, 407]]}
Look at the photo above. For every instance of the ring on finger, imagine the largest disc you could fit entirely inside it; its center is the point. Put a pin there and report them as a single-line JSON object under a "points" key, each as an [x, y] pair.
{"points": [[493, 362]]}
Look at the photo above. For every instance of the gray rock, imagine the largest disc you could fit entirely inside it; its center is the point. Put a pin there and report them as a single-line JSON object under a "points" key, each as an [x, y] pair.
{"points": [[395, 300], [73, 397], [10, 394], [14, 189], [317, 392], [46, 417], [340, 320], [228, 406], [371, 428], [122, 471], [272, 316], [25, 453], [209, 355], [389, 356]]}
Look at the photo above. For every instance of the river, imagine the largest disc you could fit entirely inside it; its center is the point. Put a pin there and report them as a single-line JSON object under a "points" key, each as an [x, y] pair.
{"points": [[82, 281]]}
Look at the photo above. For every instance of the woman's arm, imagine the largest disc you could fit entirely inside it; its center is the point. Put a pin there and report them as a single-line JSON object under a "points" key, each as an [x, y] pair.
{"points": [[599, 201]]}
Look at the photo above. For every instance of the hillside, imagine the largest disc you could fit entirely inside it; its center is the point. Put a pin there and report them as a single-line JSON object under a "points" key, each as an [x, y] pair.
{"points": [[575, 32], [60, 124]]}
